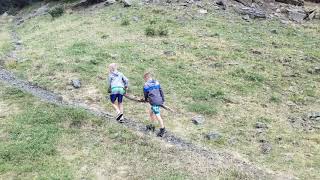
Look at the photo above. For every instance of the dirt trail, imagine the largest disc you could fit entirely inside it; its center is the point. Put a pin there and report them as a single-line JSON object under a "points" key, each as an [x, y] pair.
{"points": [[216, 158]]}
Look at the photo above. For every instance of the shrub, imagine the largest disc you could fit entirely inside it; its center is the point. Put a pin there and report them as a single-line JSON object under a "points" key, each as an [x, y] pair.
{"points": [[163, 31], [56, 11], [150, 31], [125, 22]]}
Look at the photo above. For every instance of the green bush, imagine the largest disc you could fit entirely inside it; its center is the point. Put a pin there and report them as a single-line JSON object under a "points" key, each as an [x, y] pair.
{"points": [[156, 31], [163, 31], [150, 31], [56, 11], [125, 22]]}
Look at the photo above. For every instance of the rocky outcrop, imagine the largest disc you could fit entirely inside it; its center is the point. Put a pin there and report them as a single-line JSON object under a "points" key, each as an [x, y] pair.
{"points": [[293, 2]]}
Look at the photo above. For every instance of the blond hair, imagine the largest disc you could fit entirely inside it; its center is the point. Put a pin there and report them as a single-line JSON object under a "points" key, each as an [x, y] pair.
{"points": [[113, 67]]}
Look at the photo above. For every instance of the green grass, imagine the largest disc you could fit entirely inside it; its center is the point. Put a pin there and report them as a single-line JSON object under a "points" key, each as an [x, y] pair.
{"points": [[5, 43], [218, 58], [44, 141]]}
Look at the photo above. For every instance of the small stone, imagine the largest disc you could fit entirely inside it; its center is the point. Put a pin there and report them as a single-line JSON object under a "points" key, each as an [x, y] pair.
{"points": [[114, 18], [266, 148], [246, 18], [255, 51], [274, 31], [261, 125], [109, 2], [76, 83], [198, 120], [135, 18], [19, 43], [169, 53], [203, 11], [127, 3], [213, 136], [104, 36]]}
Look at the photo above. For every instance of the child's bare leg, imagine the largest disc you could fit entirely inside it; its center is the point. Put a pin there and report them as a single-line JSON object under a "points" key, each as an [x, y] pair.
{"points": [[120, 106], [158, 117], [152, 116], [115, 106]]}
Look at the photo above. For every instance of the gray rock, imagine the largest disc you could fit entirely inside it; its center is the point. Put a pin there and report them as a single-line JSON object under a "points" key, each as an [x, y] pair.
{"points": [[127, 3], [114, 18], [4, 14], [246, 18], [274, 31], [198, 120], [252, 12], [261, 125], [19, 43], [203, 11], [135, 18], [314, 70], [266, 148], [213, 136], [296, 15], [222, 3], [109, 2], [293, 2], [169, 53], [76, 83], [313, 115]]}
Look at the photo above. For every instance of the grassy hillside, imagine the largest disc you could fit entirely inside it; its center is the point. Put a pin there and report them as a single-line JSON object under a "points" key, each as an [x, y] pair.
{"points": [[234, 72], [43, 141]]}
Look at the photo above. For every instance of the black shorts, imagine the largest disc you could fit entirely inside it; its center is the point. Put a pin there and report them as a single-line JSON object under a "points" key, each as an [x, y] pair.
{"points": [[114, 97]]}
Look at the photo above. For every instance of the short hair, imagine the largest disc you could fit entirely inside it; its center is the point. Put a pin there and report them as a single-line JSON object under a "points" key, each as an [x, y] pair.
{"points": [[113, 66], [147, 75]]}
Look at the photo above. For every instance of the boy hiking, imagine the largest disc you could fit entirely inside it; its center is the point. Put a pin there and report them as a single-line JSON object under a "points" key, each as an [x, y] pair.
{"points": [[154, 95], [118, 84]]}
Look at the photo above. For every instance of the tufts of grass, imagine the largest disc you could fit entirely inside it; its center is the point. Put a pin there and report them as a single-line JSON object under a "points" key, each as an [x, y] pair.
{"points": [[125, 22], [56, 11], [202, 108], [150, 31]]}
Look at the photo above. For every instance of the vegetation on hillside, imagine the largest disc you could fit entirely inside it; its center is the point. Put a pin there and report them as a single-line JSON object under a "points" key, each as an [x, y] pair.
{"points": [[235, 73]]}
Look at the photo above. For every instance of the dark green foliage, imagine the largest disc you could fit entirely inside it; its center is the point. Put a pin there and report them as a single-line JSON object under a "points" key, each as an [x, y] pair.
{"points": [[125, 22], [163, 31], [56, 11], [150, 31], [156, 31]]}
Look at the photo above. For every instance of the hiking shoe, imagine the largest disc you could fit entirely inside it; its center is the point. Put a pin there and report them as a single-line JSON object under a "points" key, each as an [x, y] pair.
{"points": [[150, 127], [161, 132], [119, 116]]}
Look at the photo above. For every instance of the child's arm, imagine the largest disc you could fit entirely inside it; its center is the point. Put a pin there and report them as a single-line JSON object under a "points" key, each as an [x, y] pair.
{"points": [[125, 81], [109, 84], [145, 94], [162, 94]]}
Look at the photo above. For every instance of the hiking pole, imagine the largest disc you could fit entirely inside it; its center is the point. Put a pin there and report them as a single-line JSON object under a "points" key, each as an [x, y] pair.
{"points": [[136, 99]]}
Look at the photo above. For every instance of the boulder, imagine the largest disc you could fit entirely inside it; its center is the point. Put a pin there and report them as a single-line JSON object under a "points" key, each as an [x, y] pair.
{"points": [[76, 83], [252, 12], [198, 120], [297, 15], [293, 2]]}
